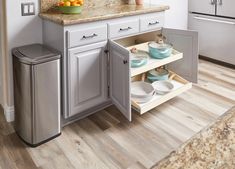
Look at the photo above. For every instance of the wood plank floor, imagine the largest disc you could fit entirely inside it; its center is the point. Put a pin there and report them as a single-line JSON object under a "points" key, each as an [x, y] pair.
{"points": [[106, 140]]}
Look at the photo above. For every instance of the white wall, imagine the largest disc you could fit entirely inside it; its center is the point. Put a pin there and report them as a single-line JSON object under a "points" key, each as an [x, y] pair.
{"points": [[1, 53], [21, 30], [177, 16]]}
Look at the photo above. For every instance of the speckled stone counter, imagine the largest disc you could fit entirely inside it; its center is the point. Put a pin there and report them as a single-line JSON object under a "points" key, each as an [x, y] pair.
{"points": [[101, 13], [212, 148]]}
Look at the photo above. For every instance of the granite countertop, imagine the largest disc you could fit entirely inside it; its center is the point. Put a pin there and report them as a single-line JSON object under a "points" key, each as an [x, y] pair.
{"points": [[212, 148], [97, 14]]}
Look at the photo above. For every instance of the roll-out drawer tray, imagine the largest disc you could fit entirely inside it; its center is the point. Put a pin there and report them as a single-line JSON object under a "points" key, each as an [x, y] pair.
{"points": [[153, 63], [180, 85]]}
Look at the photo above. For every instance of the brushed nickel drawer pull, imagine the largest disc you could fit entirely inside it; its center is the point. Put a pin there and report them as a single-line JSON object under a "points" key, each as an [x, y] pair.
{"points": [[89, 37], [125, 29], [153, 23]]}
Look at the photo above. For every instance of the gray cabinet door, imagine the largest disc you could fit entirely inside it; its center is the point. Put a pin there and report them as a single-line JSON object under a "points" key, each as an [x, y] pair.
{"points": [[120, 78], [186, 42], [202, 6], [226, 8], [87, 77]]}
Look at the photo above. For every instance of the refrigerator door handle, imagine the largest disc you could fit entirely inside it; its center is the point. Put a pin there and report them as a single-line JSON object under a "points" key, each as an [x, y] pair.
{"points": [[219, 2], [213, 2], [214, 20]]}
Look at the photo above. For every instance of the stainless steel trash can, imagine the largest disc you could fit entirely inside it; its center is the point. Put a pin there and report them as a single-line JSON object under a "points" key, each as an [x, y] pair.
{"points": [[37, 93]]}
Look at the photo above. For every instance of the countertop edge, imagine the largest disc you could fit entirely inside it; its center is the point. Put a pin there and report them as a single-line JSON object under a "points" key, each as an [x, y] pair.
{"points": [[49, 17]]}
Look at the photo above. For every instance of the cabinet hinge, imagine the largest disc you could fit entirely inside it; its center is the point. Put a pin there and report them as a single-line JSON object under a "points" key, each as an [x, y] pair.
{"points": [[108, 91], [106, 51]]}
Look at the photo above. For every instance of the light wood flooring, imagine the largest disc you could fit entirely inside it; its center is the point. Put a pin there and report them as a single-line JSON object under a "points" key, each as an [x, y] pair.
{"points": [[106, 140]]}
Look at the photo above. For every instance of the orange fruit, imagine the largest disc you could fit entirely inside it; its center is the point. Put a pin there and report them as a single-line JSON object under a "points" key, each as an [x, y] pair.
{"points": [[74, 3], [67, 3]]}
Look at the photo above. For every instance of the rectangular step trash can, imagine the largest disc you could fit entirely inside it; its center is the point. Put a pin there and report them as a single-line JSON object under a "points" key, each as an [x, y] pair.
{"points": [[37, 93]]}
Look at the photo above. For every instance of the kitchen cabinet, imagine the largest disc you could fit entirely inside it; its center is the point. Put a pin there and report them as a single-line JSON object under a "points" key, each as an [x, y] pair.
{"points": [[121, 75], [87, 77], [97, 71]]}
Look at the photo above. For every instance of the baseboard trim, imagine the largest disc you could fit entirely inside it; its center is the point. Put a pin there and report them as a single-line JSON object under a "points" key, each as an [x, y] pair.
{"points": [[9, 113], [217, 62]]}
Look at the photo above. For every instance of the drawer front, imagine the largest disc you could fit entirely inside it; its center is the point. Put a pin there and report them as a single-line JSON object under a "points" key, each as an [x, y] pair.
{"points": [[123, 28], [152, 22], [87, 36]]}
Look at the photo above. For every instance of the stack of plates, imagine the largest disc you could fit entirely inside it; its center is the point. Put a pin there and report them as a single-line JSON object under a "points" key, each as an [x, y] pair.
{"points": [[163, 87], [142, 92]]}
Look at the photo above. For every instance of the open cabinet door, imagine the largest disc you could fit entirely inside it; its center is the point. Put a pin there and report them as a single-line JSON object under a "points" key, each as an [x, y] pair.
{"points": [[120, 78], [186, 42]]}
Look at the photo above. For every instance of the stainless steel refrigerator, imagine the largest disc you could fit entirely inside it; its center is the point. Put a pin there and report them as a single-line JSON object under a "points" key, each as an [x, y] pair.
{"points": [[215, 22]]}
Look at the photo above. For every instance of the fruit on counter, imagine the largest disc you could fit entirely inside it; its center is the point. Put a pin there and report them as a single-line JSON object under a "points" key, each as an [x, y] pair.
{"points": [[70, 3]]}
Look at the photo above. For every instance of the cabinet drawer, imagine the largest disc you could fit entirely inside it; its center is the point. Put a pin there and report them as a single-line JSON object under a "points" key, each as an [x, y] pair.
{"points": [[87, 36], [152, 22], [180, 85], [123, 28]]}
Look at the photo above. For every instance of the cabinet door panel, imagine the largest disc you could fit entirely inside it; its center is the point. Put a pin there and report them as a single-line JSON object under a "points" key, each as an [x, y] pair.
{"points": [[187, 42], [87, 77], [120, 79]]}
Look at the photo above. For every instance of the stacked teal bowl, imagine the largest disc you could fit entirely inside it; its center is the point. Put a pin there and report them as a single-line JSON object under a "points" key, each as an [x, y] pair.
{"points": [[159, 51], [159, 75]]}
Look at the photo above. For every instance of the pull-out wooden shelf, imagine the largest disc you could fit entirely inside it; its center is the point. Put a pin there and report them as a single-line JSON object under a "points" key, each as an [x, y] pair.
{"points": [[180, 85], [153, 63]]}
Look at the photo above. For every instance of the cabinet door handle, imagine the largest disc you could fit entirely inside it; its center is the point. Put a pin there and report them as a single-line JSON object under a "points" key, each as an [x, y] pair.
{"points": [[214, 20], [153, 23], [125, 29], [125, 62], [89, 37]]}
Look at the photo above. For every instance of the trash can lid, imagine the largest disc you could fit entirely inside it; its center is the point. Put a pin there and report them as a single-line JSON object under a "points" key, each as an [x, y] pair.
{"points": [[35, 54]]}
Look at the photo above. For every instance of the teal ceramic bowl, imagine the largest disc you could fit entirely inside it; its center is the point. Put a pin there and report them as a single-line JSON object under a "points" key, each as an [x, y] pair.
{"points": [[139, 59], [70, 9], [138, 63], [159, 51], [159, 75]]}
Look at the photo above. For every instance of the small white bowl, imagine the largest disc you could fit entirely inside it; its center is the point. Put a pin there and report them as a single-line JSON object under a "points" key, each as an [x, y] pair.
{"points": [[163, 87], [142, 91]]}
